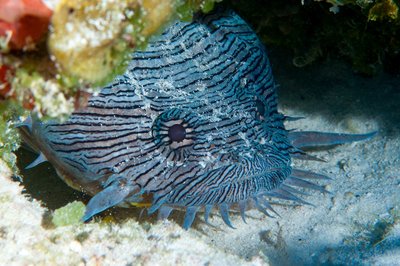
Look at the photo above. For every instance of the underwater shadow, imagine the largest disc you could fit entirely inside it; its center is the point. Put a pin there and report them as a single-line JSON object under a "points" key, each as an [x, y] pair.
{"points": [[332, 89], [44, 185]]}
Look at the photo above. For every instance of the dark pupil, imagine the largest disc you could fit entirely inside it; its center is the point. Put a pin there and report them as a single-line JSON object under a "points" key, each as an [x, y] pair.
{"points": [[177, 133], [260, 107]]}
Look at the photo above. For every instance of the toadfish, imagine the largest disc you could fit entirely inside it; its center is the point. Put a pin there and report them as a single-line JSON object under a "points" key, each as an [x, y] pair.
{"points": [[193, 124]]}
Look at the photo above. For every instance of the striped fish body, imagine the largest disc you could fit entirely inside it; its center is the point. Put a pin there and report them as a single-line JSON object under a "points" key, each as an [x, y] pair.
{"points": [[193, 122]]}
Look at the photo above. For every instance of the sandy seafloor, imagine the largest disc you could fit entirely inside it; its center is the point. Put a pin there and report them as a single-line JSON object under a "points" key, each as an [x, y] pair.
{"points": [[357, 224]]}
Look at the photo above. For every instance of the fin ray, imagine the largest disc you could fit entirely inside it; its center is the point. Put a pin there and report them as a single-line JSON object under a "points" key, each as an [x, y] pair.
{"points": [[207, 211], [40, 159], [294, 181], [293, 190], [301, 155], [261, 208], [26, 123], [189, 216], [308, 175], [224, 211], [164, 212], [293, 118], [268, 206], [301, 139], [242, 209], [280, 193]]}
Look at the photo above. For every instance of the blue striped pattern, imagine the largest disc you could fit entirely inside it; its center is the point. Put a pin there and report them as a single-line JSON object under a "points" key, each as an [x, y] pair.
{"points": [[212, 78]]}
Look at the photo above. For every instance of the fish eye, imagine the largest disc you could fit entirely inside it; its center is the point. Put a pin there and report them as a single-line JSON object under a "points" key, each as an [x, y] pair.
{"points": [[175, 128], [177, 133]]}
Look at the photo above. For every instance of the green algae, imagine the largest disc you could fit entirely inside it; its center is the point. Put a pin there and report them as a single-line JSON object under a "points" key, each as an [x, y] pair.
{"points": [[385, 9], [70, 214], [9, 139], [186, 9]]}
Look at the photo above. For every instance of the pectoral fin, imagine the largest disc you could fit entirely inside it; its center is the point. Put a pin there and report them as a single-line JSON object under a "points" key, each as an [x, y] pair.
{"points": [[111, 196]]}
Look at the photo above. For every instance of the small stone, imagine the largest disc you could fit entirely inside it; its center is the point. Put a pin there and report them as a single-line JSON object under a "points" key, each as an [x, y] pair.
{"points": [[343, 164], [348, 195], [75, 246]]}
